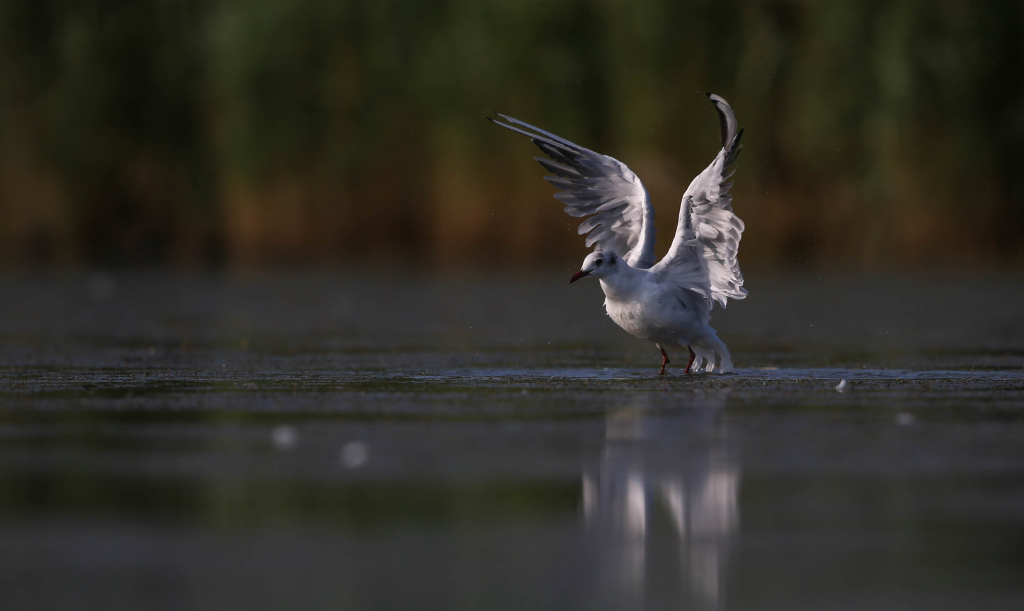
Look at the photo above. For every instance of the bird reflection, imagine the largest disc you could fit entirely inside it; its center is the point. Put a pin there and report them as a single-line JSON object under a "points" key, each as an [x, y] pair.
{"points": [[665, 480]]}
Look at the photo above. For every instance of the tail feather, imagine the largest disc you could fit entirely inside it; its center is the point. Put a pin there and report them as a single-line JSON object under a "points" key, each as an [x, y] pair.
{"points": [[706, 349]]}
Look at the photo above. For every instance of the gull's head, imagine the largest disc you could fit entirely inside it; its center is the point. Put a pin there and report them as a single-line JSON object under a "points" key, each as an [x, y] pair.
{"points": [[598, 264]]}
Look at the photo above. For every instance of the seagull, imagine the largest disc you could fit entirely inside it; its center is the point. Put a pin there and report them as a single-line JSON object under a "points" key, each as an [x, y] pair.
{"points": [[667, 302]]}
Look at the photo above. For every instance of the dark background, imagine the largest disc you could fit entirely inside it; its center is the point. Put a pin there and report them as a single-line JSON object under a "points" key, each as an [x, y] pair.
{"points": [[880, 135]]}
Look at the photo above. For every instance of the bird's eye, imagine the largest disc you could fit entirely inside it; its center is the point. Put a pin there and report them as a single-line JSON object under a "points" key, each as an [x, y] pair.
{"points": [[598, 262]]}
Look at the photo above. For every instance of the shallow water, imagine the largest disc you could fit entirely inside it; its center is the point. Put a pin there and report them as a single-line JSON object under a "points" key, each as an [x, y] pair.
{"points": [[323, 441]]}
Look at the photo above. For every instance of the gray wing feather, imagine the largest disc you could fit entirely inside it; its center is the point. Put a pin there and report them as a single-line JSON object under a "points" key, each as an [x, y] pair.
{"points": [[599, 187], [703, 254]]}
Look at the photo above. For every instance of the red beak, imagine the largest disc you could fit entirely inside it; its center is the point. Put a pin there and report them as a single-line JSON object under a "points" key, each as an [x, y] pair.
{"points": [[578, 275]]}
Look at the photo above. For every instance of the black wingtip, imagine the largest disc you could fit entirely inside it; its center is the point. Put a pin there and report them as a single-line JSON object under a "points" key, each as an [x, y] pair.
{"points": [[735, 147], [726, 118]]}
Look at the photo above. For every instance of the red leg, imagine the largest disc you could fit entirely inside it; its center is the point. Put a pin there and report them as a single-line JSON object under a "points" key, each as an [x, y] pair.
{"points": [[692, 356], [664, 360]]}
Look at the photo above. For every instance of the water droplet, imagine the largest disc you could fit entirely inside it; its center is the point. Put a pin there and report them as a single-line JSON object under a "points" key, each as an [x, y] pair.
{"points": [[283, 437], [354, 454]]}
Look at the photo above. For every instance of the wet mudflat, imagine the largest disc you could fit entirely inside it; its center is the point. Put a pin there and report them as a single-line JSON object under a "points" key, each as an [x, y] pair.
{"points": [[323, 441]]}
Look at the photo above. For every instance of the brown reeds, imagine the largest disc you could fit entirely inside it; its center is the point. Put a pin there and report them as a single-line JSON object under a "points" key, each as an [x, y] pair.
{"points": [[269, 132]]}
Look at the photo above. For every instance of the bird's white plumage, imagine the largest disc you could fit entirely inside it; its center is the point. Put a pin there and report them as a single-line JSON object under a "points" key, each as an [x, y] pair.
{"points": [[703, 254], [668, 302]]}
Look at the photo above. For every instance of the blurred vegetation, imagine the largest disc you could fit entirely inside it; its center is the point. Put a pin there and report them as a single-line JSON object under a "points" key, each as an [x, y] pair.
{"points": [[259, 132]]}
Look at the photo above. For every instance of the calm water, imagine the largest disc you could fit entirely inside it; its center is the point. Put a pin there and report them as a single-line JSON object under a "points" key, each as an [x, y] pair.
{"points": [[318, 441]]}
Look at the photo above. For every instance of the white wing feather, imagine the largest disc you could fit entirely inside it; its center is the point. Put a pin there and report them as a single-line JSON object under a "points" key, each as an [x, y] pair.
{"points": [[703, 254], [601, 187]]}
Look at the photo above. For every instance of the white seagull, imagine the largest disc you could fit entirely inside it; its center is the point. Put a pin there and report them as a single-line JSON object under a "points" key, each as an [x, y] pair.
{"points": [[668, 303]]}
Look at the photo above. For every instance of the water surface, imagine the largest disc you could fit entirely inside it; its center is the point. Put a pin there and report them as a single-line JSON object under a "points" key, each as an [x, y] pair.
{"points": [[324, 441]]}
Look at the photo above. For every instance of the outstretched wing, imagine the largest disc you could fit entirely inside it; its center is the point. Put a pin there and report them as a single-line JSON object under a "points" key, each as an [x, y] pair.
{"points": [[702, 257], [601, 187]]}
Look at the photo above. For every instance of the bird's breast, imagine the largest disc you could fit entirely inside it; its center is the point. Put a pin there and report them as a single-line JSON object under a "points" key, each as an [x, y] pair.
{"points": [[654, 317], [637, 318]]}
